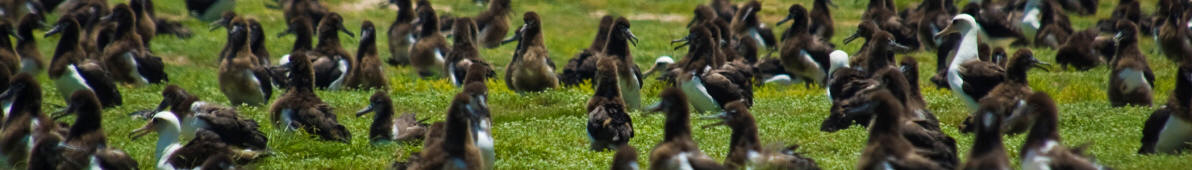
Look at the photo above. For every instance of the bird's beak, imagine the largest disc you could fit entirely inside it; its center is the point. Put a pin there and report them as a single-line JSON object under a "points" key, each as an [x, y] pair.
{"points": [[366, 110], [345, 30], [218, 23], [162, 106], [686, 40], [632, 38], [285, 32], [951, 28], [898, 46], [1041, 65], [57, 28], [850, 38], [70, 108], [655, 108], [142, 131], [784, 20]]}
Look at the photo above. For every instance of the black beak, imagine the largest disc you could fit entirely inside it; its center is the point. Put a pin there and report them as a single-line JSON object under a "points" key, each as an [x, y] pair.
{"points": [[345, 30], [8, 94], [850, 38], [898, 47], [632, 38], [366, 110], [784, 20], [288, 31], [217, 24], [686, 40], [1040, 64], [70, 108], [692, 22], [57, 28]]}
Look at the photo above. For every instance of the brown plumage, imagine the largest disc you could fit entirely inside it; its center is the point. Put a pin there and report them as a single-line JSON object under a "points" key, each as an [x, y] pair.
{"points": [[745, 150], [241, 79], [368, 73], [886, 147], [401, 34], [9, 57], [531, 68], [385, 127], [1004, 100], [26, 96], [1177, 111], [429, 52], [493, 23], [312, 9], [145, 23], [988, 151], [125, 57], [1174, 36], [802, 53], [1131, 81], [464, 53], [330, 55], [70, 60], [609, 124], [583, 66], [677, 148], [1079, 52], [225, 121], [1043, 147], [31, 58], [455, 150], [256, 37], [821, 20], [629, 76], [299, 107], [625, 158]]}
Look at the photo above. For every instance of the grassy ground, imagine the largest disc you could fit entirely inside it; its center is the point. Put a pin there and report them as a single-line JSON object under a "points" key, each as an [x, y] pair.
{"points": [[545, 130]]}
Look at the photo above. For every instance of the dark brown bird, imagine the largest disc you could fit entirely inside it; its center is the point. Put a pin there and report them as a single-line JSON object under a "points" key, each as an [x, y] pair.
{"points": [[31, 58], [429, 51], [385, 127], [745, 150], [196, 115], [126, 57], [609, 124], [1165, 130], [821, 20], [531, 68], [86, 139], [493, 23], [886, 146], [1079, 52], [1174, 37], [11, 61], [1005, 98], [170, 153], [368, 73], [73, 70], [1043, 147], [802, 53], [1131, 81], [401, 33], [583, 66], [677, 148], [464, 53], [455, 149], [988, 150], [241, 79], [312, 9], [24, 121], [300, 108], [332, 63], [146, 25], [625, 158], [629, 76]]}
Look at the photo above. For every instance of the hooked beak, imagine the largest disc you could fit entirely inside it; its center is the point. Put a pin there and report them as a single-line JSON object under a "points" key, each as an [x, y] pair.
{"points": [[692, 22], [1118, 37], [1041, 65], [283, 33], [947, 30], [516, 35], [632, 38], [345, 30], [7, 94], [784, 20], [57, 28], [686, 40], [723, 117], [850, 38], [217, 24], [70, 108], [366, 110], [898, 47], [142, 131], [655, 108]]}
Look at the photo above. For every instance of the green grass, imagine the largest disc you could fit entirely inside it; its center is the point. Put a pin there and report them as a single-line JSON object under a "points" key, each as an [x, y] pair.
{"points": [[546, 130]]}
